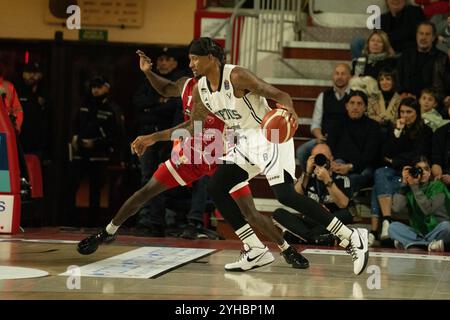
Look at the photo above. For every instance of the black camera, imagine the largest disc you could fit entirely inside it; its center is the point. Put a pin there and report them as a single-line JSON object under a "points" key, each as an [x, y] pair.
{"points": [[415, 172], [321, 160]]}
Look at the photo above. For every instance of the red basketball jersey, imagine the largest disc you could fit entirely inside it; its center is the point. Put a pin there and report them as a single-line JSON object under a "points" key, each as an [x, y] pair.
{"points": [[211, 122]]}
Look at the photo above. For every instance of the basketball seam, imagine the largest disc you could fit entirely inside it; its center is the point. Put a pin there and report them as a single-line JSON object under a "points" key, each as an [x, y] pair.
{"points": [[278, 113]]}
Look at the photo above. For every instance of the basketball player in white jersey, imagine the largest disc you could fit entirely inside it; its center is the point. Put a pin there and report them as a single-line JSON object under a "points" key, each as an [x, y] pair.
{"points": [[238, 98], [176, 171]]}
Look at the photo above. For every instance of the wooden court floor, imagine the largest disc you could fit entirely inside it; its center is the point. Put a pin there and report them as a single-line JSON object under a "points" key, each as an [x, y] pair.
{"points": [[391, 274]]}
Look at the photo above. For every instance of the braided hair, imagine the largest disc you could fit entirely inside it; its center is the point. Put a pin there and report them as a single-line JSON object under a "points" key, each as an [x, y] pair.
{"points": [[204, 46]]}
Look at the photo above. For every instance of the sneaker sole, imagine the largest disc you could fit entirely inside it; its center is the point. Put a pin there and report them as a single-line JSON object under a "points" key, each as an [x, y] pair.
{"points": [[296, 266], [86, 253]]}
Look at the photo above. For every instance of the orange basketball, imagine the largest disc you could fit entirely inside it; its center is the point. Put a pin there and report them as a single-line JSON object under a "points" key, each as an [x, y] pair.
{"points": [[277, 126]]}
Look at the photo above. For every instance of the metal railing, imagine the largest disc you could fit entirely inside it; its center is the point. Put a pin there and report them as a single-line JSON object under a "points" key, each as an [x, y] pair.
{"points": [[261, 29]]}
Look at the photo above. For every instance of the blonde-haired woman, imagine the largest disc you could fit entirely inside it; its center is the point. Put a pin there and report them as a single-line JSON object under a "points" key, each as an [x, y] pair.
{"points": [[376, 55]]}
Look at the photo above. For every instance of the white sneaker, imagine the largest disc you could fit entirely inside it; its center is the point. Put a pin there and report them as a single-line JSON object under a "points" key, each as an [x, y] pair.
{"points": [[398, 245], [436, 246], [358, 248], [384, 230], [251, 258]]}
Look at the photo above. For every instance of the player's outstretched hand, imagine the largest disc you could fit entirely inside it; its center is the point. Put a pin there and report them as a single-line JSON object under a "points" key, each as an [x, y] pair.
{"points": [[145, 63], [141, 143]]}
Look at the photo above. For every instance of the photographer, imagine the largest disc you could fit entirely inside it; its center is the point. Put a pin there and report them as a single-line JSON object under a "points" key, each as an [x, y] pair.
{"points": [[407, 140], [331, 190], [428, 204]]}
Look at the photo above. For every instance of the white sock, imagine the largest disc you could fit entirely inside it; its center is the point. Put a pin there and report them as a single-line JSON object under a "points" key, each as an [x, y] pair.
{"points": [[111, 228], [248, 237], [339, 229], [284, 246]]}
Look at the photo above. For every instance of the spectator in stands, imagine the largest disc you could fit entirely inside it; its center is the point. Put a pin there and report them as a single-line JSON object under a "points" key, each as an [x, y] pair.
{"points": [[154, 113], [409, 139], [428, 102], [416, 65], [441, 153], [428, 206], [356, 147], [329, 111], [376, 55], [386, 110], [399, 23], [441, 77], [34, 133], [330, 189], [94, 140], [380, 94], [442, 23]]}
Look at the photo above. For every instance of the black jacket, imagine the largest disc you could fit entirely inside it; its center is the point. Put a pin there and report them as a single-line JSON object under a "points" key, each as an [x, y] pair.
{"points": [[34, 135], [402, 28], [152, 111], [357, 143], [372, 70], [413, 78], [441, 148], [441, 75], [404, 149], [96, 120]]}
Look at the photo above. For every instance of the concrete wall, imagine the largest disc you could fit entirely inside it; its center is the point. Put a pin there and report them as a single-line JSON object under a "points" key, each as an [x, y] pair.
{"points": [[165, 22]]}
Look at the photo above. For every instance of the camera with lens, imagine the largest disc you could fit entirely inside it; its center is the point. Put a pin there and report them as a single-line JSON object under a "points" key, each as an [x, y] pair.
{"points": [[321, 160], [415, 172]]}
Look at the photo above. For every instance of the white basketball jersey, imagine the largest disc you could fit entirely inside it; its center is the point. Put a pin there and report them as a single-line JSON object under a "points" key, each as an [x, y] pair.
{"points": [[237, 113], [252, 152]]}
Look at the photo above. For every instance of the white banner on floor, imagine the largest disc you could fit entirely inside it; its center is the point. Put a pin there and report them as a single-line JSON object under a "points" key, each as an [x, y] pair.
{"points": [[381, 254], [142, 263]]}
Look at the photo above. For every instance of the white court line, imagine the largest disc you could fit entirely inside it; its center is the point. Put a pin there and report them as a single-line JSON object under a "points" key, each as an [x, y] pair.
{"points": [[38, 240], [380, 254], [142, 263]]}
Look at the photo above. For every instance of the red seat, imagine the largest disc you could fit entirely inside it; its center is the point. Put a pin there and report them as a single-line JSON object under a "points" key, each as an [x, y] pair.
{"points": [[35, 174]]}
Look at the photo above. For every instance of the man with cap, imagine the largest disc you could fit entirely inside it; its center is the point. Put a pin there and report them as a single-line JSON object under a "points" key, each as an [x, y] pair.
{"points": [[33, 135], [153, 113], [95, 134]]}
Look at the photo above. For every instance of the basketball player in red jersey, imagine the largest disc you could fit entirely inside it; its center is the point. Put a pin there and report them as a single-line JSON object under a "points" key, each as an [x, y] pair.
{"points": [[182, 169]]}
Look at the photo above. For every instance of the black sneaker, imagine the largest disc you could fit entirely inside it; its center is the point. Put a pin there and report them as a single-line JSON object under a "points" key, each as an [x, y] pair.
{"points": [[90, 244], [295, 259], [189, 232]]}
